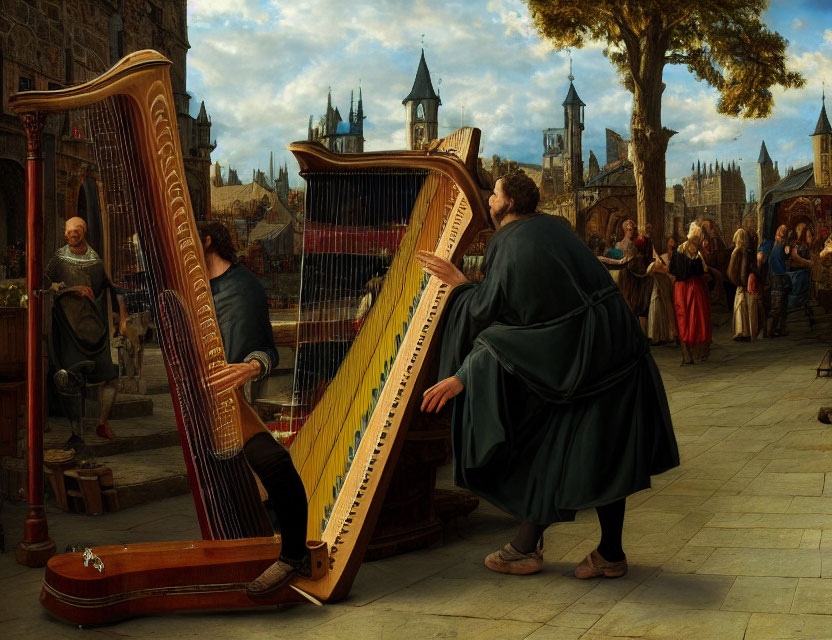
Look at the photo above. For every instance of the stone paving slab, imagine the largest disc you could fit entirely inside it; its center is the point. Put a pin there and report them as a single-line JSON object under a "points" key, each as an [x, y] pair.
{"points": [[735, 543]]}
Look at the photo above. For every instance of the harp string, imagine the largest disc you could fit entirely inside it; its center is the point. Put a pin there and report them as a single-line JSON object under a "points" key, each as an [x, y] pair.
{"points": [[122, 175], [343, 415]]}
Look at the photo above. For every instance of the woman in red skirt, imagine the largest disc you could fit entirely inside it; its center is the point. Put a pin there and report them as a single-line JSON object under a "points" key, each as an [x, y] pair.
{"points": [[690, 298]]}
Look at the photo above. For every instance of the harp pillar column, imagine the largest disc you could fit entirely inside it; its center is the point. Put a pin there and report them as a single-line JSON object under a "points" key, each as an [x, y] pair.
{"points": [[36, 547]]}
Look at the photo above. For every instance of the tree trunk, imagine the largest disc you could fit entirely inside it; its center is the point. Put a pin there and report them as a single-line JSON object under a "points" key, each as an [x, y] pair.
{"points": [[649, 139]]}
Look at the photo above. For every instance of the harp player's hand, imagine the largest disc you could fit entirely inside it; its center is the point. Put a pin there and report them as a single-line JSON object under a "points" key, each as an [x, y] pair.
{"points": [[233, 375], [435, 398], [441, 268]]}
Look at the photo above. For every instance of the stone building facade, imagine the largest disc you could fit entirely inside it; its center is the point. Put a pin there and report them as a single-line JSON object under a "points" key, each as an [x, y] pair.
{"points": [[53, 44], [805, 193], [563, 165], [595, 202], [336, 134], [715, 191]]}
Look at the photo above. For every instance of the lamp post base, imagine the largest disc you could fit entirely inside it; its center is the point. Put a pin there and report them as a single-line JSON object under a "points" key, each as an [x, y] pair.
{"points": [[36, 547], [35, 554]]}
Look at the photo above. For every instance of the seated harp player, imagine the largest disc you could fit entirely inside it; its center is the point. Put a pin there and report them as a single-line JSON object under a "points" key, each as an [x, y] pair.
{"points": [[243, 319], [345, 452]]}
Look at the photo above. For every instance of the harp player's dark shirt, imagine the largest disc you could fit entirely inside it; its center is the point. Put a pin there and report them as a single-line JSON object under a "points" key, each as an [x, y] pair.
{"points": [[243, 315]]}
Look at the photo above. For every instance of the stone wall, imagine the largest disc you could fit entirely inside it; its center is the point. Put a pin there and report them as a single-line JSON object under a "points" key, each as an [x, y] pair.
{"points": [[50, 44]]}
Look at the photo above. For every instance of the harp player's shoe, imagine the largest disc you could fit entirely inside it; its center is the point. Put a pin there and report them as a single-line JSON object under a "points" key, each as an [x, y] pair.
{"points": [[277, 575], [510, 560]]}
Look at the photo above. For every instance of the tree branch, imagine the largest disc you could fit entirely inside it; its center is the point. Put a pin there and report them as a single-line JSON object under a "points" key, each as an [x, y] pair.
{"points": [[632, 46], [675, 23], [677, 58]]}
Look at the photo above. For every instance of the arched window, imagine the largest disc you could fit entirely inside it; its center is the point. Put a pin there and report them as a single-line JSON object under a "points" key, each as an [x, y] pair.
{"points": [[420, 111]]}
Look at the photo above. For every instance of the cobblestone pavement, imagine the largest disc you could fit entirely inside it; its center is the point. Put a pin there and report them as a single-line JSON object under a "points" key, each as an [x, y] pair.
{"points": [[735, 543]]}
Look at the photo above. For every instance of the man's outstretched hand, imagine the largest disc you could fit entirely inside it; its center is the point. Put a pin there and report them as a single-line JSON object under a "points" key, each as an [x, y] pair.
{"points": [[441, 268], [435, 398]]}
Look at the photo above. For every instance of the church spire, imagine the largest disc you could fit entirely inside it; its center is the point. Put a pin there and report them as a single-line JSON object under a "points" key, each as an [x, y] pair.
{"points": [[422, 86], [764, 157], [822, 127]]}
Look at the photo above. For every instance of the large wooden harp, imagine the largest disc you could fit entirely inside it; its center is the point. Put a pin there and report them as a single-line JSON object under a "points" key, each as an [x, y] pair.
{"points": [[132, 121], [349, 443]]}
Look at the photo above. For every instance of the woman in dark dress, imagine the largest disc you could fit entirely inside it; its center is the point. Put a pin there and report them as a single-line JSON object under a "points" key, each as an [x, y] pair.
{"points": [[636, 283]]}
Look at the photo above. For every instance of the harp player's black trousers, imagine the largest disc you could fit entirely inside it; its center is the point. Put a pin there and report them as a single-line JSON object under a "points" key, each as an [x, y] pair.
{"points": [[273, 465]]}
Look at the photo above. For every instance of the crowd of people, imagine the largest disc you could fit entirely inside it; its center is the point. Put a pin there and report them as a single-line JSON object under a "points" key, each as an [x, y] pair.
{"points": [[671, 293]]}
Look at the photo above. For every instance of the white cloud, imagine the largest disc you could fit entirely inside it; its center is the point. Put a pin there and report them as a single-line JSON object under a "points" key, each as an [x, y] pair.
{"points": [[208, 11], [263, 67]]}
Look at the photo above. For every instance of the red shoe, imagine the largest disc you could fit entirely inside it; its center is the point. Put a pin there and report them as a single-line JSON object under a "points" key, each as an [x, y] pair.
{"points": [[103, 431]]}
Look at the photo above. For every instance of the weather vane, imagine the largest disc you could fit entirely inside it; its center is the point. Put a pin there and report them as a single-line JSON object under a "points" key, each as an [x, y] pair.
{"points": [[423, 41], [571, 77]]}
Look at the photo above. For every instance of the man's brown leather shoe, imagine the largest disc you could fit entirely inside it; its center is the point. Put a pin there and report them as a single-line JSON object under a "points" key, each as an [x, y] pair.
{"points": [[594, 566], [510, 560]]}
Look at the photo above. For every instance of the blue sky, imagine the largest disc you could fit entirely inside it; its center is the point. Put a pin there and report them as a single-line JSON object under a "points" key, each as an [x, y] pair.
{"points": [[264, 66]]}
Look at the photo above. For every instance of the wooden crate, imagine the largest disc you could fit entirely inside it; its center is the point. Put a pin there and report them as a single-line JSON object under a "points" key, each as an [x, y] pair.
{"points": [[12, 343], [14, 479], [12, 415]]}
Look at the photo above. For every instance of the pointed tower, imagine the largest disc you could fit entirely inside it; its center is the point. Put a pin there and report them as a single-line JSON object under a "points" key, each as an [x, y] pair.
{"points": [[422, 109], [216, 179], [271, 167], [573, 116], [594, 167], [359, 118], [822, 148], [767, 173], [203, 127]]}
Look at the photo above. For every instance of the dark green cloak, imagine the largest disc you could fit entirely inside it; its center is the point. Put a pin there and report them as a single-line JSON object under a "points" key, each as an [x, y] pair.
{"points": [[563, 407]]}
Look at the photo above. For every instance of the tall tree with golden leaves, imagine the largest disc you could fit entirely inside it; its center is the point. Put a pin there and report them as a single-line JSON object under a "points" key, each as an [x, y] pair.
{"points": [[723, 42]]}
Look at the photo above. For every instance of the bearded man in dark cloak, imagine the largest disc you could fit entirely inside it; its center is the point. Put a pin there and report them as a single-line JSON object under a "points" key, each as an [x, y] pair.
{"points": [[558, 405]]}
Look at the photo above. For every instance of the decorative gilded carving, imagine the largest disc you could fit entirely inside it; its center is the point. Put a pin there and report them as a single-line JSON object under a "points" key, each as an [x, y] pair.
{"points": [[33, 122]]}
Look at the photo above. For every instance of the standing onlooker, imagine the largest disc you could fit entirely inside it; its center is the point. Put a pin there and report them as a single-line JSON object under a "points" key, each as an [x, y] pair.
{"points": [[742, 265], [800, 266], [635, 281], [691, 299], [79, 341], [661, 318], [780, 284], [757, 282]]}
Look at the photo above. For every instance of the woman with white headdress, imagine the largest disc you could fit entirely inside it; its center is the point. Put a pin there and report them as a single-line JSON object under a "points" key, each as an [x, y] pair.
{"points": [[742, 265], [691, 299]]}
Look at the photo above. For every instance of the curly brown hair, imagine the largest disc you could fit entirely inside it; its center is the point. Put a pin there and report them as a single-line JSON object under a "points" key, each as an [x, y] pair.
{"points": [[220, 240], [522, 189]]}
